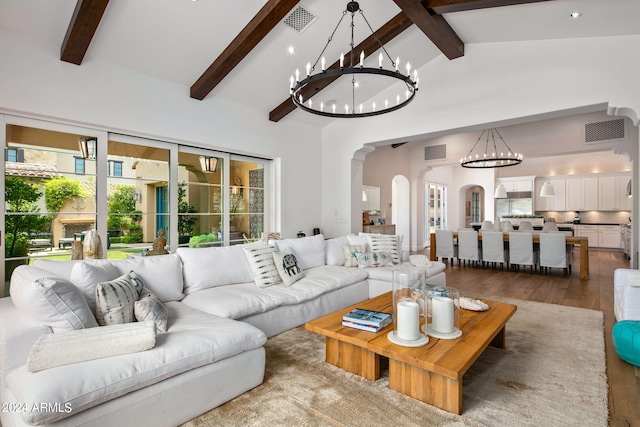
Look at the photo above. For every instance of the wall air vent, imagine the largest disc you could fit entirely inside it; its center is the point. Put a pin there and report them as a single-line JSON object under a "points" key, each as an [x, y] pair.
{"points": [[435, 153], [605, 131], [300, 19]]}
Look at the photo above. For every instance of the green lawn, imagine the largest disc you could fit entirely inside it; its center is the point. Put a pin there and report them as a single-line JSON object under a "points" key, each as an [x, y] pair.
{"points": [[116, 252]]}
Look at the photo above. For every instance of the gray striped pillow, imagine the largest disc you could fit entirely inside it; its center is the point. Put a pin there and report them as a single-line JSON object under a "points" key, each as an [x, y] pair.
{"points": [[385, 243], [115, 299], [264, 270]]}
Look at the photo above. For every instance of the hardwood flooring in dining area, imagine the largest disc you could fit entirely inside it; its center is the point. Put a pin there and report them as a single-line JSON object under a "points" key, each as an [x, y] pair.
{"points": [[596, 293]]}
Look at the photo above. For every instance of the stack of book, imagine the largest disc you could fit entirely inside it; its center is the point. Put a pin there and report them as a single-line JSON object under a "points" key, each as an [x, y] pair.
{"points": [[366, 320]]}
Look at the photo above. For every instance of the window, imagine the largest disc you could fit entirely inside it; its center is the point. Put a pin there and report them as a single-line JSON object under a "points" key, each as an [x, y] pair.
{"points": [[115, 168], [15, 155], [79, 168]]}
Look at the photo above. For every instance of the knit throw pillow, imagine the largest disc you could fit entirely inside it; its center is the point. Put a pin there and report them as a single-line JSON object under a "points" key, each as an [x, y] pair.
{"points": [[115, 299]]}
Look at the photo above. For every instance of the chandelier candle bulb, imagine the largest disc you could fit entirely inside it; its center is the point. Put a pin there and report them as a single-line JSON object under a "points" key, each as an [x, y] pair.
{"points": [[297, 75], [380, 60], [408, 69], [322, 106], [360, 108], [408, 320], [397, 63], [373, 106], [362, 59], [342, 60], [308, 68], [322, 62]]}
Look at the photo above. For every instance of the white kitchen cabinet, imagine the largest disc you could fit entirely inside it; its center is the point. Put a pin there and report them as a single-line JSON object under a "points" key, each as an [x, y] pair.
{"points": [[589, 194], [607, 193], [555, 203], [609, 236], [517, 185], [623, 203], [574, 194], [589, 231]]}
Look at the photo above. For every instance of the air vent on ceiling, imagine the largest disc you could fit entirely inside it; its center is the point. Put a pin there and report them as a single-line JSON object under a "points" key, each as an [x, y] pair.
{"points": [[300, 18], [605, 131], [435, 152]]}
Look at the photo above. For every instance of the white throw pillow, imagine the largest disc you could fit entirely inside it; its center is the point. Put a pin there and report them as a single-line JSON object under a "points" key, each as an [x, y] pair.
{"points": [[264, 270], [287, 266], [115, 299], [335, 253], [359, 240], [71, 347], [87, 274], [51, 301], [374, 260], [151, 308], [205, 268], [351, 254], [420, 261], [309, 251], [385, 243]]}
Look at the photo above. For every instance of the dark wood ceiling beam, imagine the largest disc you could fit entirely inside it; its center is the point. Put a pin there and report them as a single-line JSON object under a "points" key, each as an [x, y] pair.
{"points": [[386, 33], [447, 6], [261, 24], [83, 26], [433, 26]]}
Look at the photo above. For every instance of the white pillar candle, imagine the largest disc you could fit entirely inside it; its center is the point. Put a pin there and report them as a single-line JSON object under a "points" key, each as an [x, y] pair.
{"points": [[408, 313], [442, 315]]}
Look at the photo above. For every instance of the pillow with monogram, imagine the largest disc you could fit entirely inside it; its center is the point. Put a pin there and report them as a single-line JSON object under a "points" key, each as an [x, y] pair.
{"points": [[287, 266]]}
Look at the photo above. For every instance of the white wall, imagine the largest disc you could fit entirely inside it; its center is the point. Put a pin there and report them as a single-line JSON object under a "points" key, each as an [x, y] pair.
{"points": [[496, 83], [34, 82]]}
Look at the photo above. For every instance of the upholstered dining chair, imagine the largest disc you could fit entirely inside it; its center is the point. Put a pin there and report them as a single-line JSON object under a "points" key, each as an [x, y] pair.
{"points": [[445, 246], [493, 249], [468, 248], [554, 253], [525, 226], [549, 226], [486, 225], [506, 227], [521, 251]]}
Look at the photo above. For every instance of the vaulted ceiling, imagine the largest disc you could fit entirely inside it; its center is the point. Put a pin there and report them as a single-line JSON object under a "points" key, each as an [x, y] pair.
{"points": [[239, 50]]}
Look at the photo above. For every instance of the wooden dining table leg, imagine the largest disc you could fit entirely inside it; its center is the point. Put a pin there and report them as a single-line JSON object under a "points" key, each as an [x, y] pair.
{"points": [[584, 259], [432, 245]]}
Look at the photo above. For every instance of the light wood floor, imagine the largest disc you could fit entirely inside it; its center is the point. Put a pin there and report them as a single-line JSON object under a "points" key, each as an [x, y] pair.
{"points": [[595, 293]]}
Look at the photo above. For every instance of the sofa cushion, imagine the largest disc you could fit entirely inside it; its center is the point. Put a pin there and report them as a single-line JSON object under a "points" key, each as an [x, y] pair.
{"points": [[51, 301], [309, 251], [243, 300], [360, 239], [69, 347], [151, 308], [87, 275], [161, 274], [386, 273], [335, 253], [193, 339], [204, 268], [115, 299], [264, 270], [287, 266]]}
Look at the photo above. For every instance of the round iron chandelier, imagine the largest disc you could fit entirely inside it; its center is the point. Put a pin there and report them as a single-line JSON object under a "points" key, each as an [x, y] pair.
{"points": [[302, 91], [495, 159]]}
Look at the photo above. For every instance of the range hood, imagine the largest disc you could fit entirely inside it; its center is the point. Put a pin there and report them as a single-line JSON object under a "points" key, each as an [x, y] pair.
{"points": [[519, 194]]}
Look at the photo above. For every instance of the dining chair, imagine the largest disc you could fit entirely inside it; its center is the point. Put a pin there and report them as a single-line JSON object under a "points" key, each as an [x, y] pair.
{"points": [[493, 248], [521, 250], [486, 225], [468, 248], [506, 227], [525, 226], [445, 246], [549, 226], [554, 253]]}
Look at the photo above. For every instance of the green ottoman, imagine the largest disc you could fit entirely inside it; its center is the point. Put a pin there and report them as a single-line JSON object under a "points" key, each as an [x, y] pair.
{"points": [[626, 340]]}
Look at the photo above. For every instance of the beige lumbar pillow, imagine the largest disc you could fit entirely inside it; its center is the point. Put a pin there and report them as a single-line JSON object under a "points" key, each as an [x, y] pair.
{"points": [[65, 348]]}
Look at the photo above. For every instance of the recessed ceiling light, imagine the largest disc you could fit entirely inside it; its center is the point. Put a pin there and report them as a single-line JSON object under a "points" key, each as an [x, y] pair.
{"points": [[576, 15], [291, 50]]}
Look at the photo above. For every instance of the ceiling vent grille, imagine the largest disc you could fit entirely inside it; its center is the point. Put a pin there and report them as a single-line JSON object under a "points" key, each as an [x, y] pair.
{"points": [[605, 131], [300, 19], [435, 152]]}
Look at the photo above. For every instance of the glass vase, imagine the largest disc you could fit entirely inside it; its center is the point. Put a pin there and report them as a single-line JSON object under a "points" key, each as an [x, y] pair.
{"points": [[442, 312], [408, 308]]}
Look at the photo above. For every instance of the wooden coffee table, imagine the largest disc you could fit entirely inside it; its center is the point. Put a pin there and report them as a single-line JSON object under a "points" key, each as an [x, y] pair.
{"points": [[432, 373]]}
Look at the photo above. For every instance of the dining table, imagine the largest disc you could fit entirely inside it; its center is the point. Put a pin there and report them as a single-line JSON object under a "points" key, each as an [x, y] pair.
{"points": [[583, 242]]}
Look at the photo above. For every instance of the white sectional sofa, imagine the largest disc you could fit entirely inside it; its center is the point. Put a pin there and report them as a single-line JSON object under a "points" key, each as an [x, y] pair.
{"points": [[211, 352]]}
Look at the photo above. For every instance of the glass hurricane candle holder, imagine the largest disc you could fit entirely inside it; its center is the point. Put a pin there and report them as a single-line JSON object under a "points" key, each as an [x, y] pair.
{"points": [[408, 308], [442, 312]]}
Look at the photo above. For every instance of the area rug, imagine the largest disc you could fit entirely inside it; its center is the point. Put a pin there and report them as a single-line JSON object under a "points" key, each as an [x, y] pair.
{"points": [[551, 374]]}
